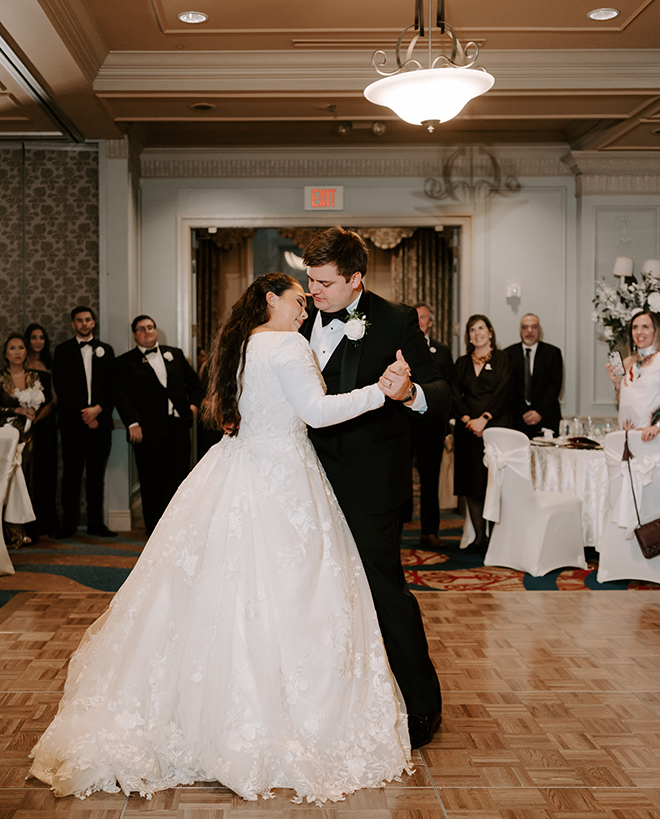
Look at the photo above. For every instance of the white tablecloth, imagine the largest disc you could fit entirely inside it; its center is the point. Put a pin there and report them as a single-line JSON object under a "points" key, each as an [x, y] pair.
{"points": [[580, 472]]}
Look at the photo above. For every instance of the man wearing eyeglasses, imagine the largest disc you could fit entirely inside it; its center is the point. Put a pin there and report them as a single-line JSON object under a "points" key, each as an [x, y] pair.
{"points": [[157, 396]]}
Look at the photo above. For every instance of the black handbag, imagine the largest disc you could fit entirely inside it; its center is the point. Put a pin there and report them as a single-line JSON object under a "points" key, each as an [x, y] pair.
{"points": [[647, 534]]}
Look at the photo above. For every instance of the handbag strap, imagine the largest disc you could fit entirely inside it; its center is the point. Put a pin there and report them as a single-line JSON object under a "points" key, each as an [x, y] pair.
{"points": [[628, 456]]}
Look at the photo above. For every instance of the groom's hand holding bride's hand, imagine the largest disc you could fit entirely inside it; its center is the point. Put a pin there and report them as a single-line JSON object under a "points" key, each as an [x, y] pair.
{"points": [[395, 381]]}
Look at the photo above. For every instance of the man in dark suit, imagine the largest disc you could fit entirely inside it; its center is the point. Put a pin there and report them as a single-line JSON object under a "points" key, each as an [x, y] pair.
{"points": [[538, 372], [157, 393], [427, 434], [367, 459], [82, 379]]}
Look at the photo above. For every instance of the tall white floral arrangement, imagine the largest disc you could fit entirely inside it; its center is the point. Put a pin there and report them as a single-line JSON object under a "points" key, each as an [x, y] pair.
{"points": [[615, 306]]}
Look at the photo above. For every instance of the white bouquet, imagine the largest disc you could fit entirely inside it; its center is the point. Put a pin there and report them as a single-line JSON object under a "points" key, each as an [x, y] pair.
{"points": [[30, 398], [615, 306]]}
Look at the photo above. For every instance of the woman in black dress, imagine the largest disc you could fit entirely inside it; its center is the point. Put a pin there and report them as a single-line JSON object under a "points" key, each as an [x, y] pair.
{"points": [[25, 401], [44, 462], [482, 386]]}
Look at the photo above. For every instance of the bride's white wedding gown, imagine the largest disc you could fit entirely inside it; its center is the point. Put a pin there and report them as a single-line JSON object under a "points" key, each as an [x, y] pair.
{"points": [[244, 646]]}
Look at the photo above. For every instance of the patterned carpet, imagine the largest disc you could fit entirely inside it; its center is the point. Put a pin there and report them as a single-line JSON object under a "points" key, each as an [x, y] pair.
{"points": [[85, 562]]}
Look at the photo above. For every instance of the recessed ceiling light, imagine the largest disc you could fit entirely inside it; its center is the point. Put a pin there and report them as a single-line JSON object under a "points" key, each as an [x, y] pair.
{"points": [[195, 17], [202, 106], [604, 14]]}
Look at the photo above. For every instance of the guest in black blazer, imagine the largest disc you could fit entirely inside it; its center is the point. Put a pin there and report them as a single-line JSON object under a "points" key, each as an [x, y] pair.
{"points": [[157, 393], [367, 459], [428, 439], [82, 379], [537, 384]]}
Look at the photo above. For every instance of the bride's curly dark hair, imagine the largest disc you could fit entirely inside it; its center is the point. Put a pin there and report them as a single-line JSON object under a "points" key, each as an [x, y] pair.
{"points": [[227, 359]]}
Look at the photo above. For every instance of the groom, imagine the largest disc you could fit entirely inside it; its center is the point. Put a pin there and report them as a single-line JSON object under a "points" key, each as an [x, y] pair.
{"points": [[367, 459]]}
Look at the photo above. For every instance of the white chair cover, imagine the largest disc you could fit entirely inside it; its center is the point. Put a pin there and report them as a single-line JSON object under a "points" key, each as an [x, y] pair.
{"points": [[644, 470], [496, 460], [536, 532], [620, 555]]}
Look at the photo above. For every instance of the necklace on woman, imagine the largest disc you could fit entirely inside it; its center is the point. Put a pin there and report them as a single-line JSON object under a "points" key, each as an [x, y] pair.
{"points": [[645, 356], [481, 359]]}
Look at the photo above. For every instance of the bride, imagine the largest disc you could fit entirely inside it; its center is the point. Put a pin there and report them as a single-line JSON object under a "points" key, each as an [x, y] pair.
{"points": [[244, 645]]}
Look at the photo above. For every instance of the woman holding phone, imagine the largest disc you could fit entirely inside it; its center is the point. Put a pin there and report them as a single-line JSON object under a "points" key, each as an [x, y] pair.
{"points": [[637, 378]]}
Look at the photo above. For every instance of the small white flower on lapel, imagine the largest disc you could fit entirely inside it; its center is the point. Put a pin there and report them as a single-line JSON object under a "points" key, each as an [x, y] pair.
{"points": [[99, 351], [433, 350], [487, 367], [355, 326], [168, 356]]}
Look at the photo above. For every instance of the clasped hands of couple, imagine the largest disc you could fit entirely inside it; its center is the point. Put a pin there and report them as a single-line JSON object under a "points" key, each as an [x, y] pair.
{"points": [[395, 382]]}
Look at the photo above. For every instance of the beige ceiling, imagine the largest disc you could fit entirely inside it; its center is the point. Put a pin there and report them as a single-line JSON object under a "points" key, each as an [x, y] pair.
{"points": [[287, 72]]}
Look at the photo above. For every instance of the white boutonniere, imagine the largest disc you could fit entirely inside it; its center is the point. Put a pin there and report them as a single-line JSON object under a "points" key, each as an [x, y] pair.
{"points": [[433, 350], [99, 352], [168, 356], [487, 367], [355, 326]]}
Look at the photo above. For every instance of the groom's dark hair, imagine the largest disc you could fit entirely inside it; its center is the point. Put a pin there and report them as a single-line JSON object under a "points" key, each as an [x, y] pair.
{"points": [[343, 248]]}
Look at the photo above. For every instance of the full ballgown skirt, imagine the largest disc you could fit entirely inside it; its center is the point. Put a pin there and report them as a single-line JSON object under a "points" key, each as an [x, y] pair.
{"points": [[244, 645]]}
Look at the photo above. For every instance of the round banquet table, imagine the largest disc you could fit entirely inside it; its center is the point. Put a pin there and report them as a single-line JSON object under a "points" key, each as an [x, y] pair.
{"points": [[580, 472]]}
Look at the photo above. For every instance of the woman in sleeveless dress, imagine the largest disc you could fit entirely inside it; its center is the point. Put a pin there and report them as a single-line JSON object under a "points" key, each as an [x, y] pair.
{"points": [[638, 389], [244, 646]]}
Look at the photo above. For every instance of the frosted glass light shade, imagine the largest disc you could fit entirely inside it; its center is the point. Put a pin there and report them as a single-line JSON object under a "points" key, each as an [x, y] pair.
{"points": [[429, 94], [652, 268], [623, 267]]}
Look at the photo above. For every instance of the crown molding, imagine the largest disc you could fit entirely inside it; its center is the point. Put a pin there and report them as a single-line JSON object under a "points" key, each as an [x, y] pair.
{"points": [[350, 70], [208, 163], [615, 173], [77, 28]]}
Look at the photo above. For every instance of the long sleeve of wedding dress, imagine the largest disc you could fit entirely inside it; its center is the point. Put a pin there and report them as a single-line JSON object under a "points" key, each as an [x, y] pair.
{"points": [[304, 388], [244, 646]]}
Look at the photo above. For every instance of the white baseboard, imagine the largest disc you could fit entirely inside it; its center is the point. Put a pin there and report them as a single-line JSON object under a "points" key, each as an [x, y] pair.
{"points": [[119, 520]]}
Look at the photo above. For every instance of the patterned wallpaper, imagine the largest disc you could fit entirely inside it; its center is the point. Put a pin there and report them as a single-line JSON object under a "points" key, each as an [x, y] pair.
{"points": [[49, 237]]}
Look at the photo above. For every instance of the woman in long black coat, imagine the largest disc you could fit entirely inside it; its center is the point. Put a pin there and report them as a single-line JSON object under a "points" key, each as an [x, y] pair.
{"points": [[482, 385]]}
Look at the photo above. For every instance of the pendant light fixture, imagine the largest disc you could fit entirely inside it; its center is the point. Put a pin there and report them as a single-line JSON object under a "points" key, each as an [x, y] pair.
{"points": [[429, 96]]}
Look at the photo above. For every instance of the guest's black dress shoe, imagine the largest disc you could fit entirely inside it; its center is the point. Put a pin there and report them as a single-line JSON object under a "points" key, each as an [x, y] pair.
{"points": [[476, 548], [101, 531], [421, 728], [65, 532], [431, 541]]}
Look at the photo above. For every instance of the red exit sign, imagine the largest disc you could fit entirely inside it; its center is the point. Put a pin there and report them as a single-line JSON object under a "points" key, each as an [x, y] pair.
{"points": [[324, 198]]}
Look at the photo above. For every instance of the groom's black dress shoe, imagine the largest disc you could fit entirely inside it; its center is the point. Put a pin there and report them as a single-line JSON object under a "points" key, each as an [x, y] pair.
{"points": [[421, 728]]}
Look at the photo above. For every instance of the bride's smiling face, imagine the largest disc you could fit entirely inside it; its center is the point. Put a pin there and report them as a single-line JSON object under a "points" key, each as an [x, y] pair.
{"points": [[288, 311]]}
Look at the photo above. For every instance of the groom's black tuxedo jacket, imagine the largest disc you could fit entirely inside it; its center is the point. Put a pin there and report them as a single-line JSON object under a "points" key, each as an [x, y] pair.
{"points": [[70, 383], [547, 380], [372, 451], [142, 398]]}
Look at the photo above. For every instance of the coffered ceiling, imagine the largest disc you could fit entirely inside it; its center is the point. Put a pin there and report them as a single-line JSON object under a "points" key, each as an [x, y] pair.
{"points": [[289, 72]]}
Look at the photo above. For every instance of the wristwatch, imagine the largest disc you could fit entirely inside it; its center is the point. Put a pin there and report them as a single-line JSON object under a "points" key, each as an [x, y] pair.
{"points": [[412, 393]]}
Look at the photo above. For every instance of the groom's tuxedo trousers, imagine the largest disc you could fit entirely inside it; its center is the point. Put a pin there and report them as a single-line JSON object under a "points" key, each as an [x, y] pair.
{"points": [[355, 461]]}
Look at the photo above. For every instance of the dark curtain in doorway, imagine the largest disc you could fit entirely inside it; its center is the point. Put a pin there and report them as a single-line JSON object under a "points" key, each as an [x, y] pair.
{"points": [[423, 271]]}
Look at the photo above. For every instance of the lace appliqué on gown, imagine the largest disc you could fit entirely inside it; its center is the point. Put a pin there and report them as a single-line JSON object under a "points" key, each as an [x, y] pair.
{"points": [[244, 646]]}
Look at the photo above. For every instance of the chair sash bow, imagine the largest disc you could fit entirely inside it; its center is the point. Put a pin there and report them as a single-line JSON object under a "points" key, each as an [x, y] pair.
{"points": [[496, 460]]}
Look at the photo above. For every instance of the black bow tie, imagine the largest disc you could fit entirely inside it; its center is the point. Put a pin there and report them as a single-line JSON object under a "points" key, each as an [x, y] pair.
{"points": [[84, 344], [326, 318], [152, 350]]}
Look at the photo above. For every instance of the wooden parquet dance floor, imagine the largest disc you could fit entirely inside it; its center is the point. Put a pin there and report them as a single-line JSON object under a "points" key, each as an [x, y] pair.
{"points": [[552, 711]]}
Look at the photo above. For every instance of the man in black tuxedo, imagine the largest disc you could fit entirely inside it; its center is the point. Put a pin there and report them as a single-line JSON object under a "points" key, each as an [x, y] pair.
{"points": [[82, 379], [367, 459], [538, 372], [427, 434], [157, 393]]}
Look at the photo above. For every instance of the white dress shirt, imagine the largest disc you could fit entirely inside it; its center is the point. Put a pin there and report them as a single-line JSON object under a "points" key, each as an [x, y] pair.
{"points": [[325, 340], [158, 363], [532, 355], [87, 352]]}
